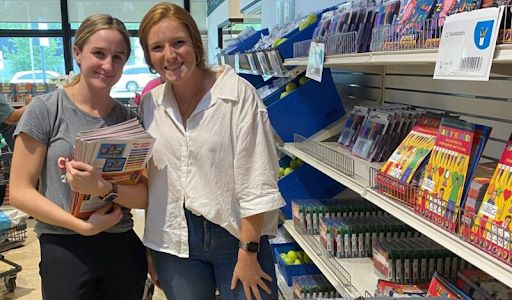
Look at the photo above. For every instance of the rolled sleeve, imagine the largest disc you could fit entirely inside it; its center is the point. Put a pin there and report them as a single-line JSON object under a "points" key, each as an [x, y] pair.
{"points": [[256, 167]]}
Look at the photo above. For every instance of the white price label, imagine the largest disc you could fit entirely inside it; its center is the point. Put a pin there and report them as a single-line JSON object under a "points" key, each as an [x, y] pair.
{"points": [[316, 61], [490, 210], [467, 45]]}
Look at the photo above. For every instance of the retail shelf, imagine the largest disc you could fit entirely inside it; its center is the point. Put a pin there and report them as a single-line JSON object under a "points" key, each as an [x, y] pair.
{"points": [[351, 277], [468, 252], [503, 54], [357, 183], [286, 291]]}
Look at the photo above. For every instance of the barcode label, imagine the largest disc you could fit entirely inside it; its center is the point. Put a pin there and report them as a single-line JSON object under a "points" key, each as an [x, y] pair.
{"points": [[473, 63]]}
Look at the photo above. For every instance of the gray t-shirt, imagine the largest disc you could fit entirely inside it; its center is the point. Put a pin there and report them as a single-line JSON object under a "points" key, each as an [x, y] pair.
{"points": [[54, 120], [5, 108]]}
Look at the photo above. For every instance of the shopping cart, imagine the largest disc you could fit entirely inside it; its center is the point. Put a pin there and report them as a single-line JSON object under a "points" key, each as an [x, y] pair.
{"points": [[13, 226], [5, 169], [11, 238]]}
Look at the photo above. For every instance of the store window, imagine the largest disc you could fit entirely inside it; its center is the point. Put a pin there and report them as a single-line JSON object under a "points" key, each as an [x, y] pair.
{"points": [[38, 59], [198, 11], [130, 12], [30, 14], [31, 59]]}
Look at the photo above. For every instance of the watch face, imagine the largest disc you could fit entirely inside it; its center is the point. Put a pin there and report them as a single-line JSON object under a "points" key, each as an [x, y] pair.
{"points": [[110, 197], [253, 247]]}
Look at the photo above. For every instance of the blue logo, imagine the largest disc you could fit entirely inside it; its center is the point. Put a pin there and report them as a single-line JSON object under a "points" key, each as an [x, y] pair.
{"points": [[483, 33]]}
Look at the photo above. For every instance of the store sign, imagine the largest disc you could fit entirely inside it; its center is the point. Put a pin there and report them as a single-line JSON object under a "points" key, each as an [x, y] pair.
{"points": [[467, 45], [212, 5]]}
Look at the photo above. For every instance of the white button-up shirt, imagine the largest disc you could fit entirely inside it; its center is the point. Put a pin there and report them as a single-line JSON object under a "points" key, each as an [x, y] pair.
{"points": [[223, 166]]}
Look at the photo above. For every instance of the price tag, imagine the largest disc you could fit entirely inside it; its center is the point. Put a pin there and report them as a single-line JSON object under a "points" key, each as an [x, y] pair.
{"points": [[316, 61], [252, 63], [467, 45], [237, 63], [275, 62], [262, 58]]}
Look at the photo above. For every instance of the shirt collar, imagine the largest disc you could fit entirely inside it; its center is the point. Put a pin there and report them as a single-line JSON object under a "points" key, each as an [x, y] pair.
{"points": [[225, 87]]}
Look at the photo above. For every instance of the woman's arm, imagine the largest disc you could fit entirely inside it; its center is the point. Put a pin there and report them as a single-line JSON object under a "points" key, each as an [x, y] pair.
{"points": [[247, 268], [84, 178], [24, 196]]}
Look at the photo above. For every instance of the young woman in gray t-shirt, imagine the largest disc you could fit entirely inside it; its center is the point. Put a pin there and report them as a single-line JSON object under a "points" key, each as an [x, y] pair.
{"points": [[101, 257]]}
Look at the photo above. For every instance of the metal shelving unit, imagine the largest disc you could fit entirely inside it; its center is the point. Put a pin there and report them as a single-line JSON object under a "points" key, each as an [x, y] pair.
{"points": [[351, 277], [285, 290], [503, 54], [470, 253]]}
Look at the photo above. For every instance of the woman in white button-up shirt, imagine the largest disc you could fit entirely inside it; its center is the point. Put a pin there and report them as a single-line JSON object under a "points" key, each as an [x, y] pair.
{"points": [[213, 193]]}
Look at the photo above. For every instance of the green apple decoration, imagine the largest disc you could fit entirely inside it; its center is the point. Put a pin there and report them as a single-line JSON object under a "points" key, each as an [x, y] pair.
{"points": [[307, 21], [283, 94], [290, 87], [278, 42], [287, 171], [288, 260], [297, 262], [303, 25], [303, 80], [293, 164], [292, 254], [281, 172], [306, 259]]}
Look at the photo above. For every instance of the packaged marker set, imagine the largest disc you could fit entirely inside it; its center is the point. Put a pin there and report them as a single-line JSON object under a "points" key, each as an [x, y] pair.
{"points": [[353, 236], [414, 260], [313, 287], [306, 213]]}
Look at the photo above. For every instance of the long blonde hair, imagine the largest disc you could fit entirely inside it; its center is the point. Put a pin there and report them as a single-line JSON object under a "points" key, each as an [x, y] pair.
{"points": [[93, 24]]}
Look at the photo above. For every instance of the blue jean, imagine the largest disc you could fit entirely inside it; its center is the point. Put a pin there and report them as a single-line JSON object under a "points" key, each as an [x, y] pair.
{"points": [[213, 255]]}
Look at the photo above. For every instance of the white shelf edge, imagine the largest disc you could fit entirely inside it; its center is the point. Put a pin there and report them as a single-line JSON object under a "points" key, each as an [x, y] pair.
{"points": [[285, 290], [503, 54], [470, 253], [346, 180], [359, 284]]}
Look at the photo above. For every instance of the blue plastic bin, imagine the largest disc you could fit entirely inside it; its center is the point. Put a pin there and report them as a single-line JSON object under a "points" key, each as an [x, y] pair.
{"points": [[289, 271], [306, 110], [255, 80], [248, 43], [306, 182]]}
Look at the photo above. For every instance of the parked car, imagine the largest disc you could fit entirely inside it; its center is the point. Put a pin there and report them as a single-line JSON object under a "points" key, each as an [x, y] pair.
{"points": [[134, 78], [35, 76]]}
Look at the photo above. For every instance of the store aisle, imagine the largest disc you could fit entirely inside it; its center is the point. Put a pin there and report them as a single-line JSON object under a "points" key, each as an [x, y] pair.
{"points": [[28, 281]]}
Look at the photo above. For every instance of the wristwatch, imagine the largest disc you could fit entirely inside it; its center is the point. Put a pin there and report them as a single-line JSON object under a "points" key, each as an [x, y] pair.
{"points": [[249, 246], [112, 195]]}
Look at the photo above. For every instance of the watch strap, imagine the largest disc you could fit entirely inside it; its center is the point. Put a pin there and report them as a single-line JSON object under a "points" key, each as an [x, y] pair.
{"points": [[249, 246]]}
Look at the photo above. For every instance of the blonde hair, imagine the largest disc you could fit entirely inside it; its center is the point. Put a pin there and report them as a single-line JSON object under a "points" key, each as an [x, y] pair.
{"points": [[93, 24], [165, 10]]}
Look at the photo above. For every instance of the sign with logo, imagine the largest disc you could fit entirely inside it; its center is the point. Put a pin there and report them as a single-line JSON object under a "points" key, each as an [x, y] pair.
{"points": [[467, 45]]}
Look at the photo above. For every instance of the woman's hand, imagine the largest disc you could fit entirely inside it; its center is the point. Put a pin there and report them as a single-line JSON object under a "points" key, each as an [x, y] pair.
{"points": [[249, 272], [104, 218], [85, 179], [151, 270]]}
